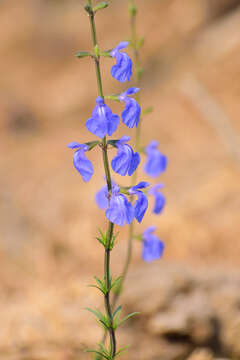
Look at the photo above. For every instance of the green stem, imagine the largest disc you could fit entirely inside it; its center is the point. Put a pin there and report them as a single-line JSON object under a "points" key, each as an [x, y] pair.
{"points": [[107, 277]]}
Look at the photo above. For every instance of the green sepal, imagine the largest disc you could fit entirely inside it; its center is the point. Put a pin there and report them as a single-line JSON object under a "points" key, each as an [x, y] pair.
{"points": [[112, 97], [100, 6], [148, 110], [92, 144], [96, 51], [125, 190], [112, 142], [106, 53], [82, 54], [116, 316]]}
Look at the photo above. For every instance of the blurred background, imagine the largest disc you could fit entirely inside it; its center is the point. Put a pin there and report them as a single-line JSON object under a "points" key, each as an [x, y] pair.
{"points": [[190, 300]]}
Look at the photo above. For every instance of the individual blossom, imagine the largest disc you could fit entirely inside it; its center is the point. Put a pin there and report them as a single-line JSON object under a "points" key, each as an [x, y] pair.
{"points": [[118, 209], [141, 204], [103, 122], [158, 197], [156, 161], [122, 70], [126, 161], [131, 113], [80, 161], [152, 247]]}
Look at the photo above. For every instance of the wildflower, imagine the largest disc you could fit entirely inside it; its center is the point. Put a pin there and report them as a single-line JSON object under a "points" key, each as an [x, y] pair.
{"points": [[141, 205], [132, 111], [118, 209], [159, 198], [126, 161], [81, 163], [102, 198], [152, 247], [122, 70], [156, 162], [103, 121]]}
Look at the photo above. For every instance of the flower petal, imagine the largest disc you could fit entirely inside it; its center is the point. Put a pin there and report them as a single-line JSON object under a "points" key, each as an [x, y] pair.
{"points": [[140, 206], [131, 113], [102, 198], [83, 165]]}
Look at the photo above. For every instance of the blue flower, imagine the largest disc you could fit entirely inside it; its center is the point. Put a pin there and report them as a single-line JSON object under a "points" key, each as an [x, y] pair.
{"points": [[122, 70], [152, 247], [156, 162], [103, 121], [141, 205], [81, 163], [126, 161], [118, 209], [131, 113], [160, 200]]}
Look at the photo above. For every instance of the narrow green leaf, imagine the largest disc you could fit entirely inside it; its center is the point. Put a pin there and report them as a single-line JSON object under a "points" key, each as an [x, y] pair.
{"points": [[116, 316], [100, 6], [97, 352], [116, 281], [127, 317], [122, 350], [119, 308], [92, 144], [105, 325], [97, 313], [112, 142], [97, 287], [101, 284], [82, 54], [101, 241]]}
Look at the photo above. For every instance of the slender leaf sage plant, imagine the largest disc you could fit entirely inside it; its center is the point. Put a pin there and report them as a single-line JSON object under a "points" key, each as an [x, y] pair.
{"points": [[122, 205]]}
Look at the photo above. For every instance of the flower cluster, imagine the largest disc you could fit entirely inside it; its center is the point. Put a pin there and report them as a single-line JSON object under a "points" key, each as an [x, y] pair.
{"points": [[124, 204]]}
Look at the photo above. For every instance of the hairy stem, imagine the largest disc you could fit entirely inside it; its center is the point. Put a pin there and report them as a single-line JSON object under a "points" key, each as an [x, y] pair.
{"points": [[107, 277]]}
